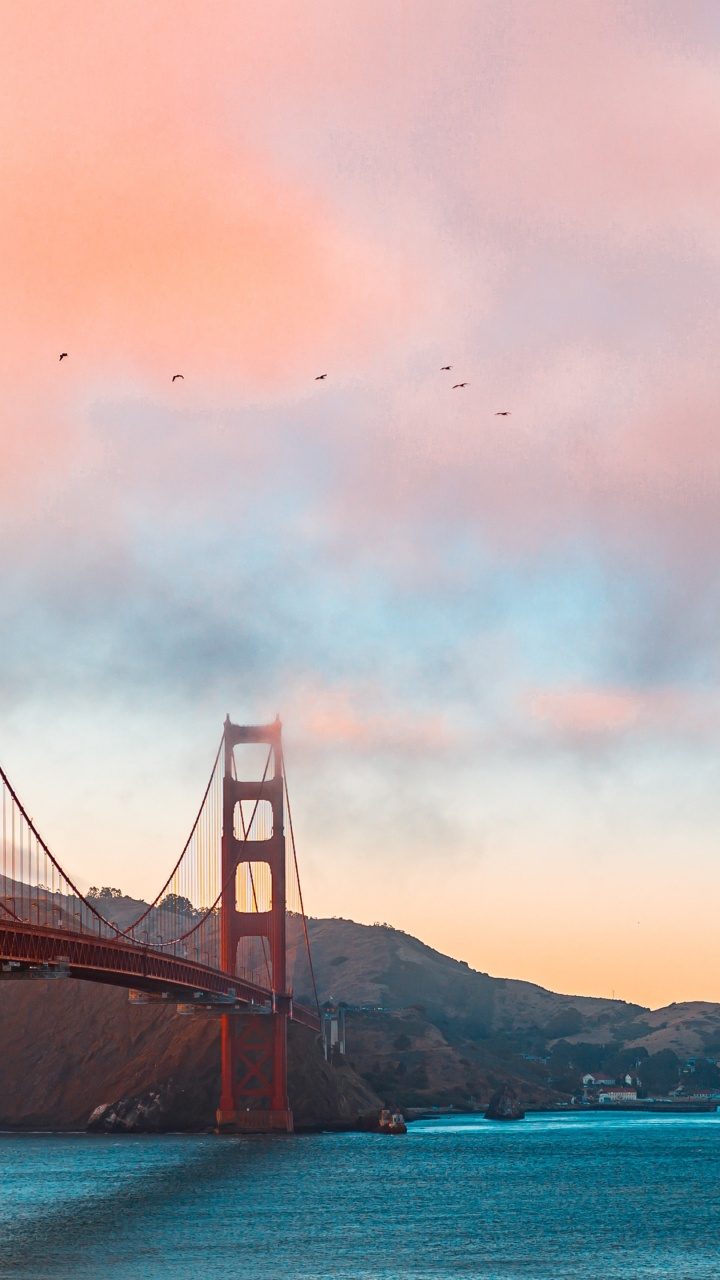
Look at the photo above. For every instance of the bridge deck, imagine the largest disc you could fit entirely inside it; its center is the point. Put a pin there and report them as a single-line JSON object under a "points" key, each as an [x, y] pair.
{"points": [[137, 967]]}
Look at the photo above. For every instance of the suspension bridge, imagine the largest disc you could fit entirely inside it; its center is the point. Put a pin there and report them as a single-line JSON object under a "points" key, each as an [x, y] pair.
{"points": [[214, 939]]}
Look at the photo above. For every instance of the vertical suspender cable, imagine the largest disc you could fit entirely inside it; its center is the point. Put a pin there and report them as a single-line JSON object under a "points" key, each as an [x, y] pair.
{"points": [[297, 877]]}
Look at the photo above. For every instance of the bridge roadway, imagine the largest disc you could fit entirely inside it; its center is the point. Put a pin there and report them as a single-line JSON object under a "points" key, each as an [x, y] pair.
{"points": [[25, 949]]}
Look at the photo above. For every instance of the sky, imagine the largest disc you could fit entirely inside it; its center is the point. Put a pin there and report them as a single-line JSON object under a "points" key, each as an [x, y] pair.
{"points": [[493, 640]]}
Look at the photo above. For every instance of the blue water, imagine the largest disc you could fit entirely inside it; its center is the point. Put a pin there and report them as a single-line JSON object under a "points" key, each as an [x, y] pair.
{"points": [[602, 1197]]}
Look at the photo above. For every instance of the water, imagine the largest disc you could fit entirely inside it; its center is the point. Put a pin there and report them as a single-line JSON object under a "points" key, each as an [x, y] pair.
{"points": [[594, 1197]]}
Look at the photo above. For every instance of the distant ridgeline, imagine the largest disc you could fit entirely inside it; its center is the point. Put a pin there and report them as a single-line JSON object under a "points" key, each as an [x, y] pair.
{"points": [[426, 1030]]}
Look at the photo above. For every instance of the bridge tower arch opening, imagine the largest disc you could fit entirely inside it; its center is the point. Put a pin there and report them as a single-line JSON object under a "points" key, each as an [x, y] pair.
{"points": [[254, 1094]]}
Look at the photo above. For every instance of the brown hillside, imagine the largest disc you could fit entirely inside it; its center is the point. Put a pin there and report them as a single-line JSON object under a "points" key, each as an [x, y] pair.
{"points": [[379, 966], [690, 1028], [70, 1046]]}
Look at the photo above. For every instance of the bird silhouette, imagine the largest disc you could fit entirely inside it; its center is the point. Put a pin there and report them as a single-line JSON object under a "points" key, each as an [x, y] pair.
{"points": [[178, 375], [460, 384], [503, 413], [63, 355], [446, 368], [320, 377]]}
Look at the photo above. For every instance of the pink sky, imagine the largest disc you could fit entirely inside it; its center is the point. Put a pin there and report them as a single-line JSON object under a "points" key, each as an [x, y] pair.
{"points": [[495, 637]]}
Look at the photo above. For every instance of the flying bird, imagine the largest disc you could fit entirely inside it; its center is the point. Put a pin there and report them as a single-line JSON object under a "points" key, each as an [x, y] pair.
{"points": [[178, 375], [63, 355], [446, 368], [503, 413], [460, 384], [320, 377]]}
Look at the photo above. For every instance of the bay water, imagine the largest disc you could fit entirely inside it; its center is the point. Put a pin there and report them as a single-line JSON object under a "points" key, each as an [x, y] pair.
{"points": [[582, 1197]]}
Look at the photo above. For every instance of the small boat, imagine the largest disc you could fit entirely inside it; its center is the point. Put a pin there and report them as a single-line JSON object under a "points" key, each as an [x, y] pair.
{"points": [[392, 1122]]}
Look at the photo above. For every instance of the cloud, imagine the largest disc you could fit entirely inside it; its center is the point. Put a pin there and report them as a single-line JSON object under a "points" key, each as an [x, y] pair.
{"points": [[588, 711], [603, 714], [425, 591], [351, 717]]}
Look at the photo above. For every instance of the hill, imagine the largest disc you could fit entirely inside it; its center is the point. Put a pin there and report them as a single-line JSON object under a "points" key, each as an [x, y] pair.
{"points": [[70, 1046], [422, 1030], [425, 1029], [381, 966]]}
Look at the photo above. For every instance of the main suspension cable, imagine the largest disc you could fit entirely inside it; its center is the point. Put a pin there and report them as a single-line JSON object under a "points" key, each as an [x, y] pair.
{"points": [[186, 846], [48, 853]]}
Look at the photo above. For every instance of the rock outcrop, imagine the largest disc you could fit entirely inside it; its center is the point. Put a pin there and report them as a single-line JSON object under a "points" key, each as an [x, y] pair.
{"points": [[505, 1105], [157, 1110]]}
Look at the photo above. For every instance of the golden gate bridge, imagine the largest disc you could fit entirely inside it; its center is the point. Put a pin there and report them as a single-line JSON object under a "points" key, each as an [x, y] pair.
{"points": [[214, 939]]}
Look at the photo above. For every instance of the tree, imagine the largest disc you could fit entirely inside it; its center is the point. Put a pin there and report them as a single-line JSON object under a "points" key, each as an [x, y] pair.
{"points": [[625, 1061], [175, 902], [567, 1022], [705, 1076], [587, 1056], [565, 1072], [659, 1071], [563, 1055]]}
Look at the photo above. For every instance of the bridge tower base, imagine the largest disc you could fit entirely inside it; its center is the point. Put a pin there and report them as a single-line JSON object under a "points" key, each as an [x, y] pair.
{"points": [[254, 1054]]}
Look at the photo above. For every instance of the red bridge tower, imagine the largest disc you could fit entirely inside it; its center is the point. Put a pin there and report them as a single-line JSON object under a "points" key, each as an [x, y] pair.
{"points": [[254, 1045]]}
